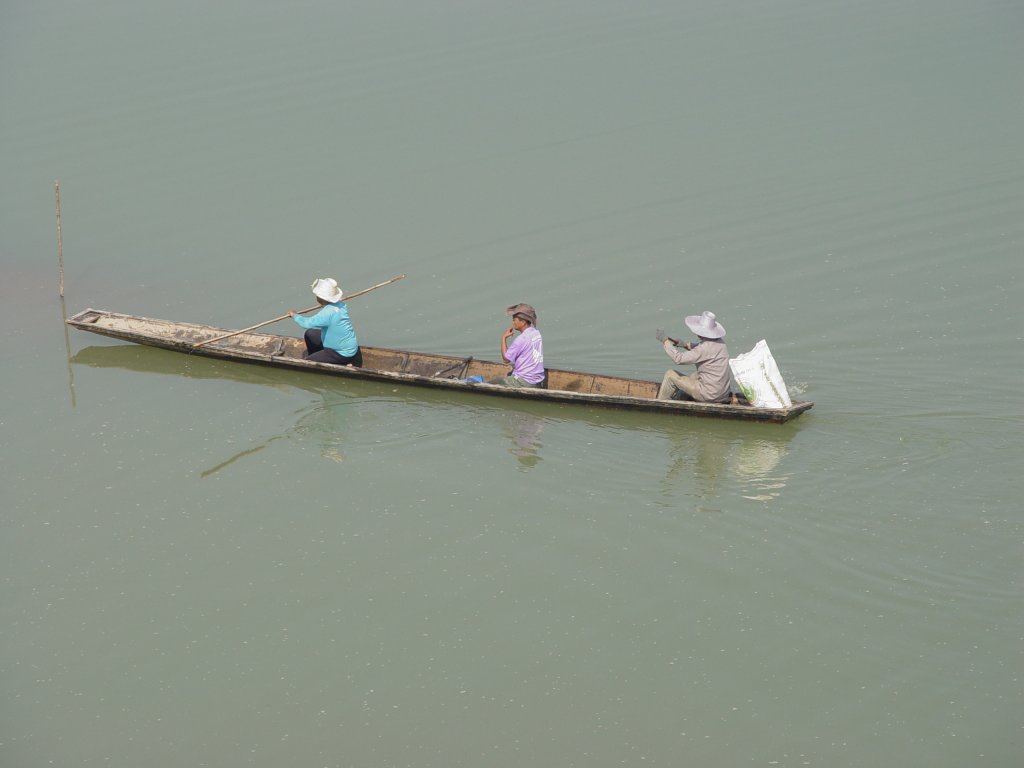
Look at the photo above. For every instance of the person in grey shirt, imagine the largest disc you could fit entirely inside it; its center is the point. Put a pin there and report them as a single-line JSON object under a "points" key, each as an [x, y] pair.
{"points": [[710, 383]]}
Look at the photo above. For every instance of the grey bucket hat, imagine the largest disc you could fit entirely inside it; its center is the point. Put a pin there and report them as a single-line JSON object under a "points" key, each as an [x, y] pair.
{"points": [[527, 312], [705, 325]]}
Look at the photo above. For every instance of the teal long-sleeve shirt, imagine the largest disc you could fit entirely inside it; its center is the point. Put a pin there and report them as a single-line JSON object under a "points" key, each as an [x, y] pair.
{"points": [[336, 332]]}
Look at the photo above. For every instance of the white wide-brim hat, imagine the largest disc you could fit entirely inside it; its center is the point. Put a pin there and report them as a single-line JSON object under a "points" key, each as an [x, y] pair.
{"points": [[327, 288], [705, 325]]}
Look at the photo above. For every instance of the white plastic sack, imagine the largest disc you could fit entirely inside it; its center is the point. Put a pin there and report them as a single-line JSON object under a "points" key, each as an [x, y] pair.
{"points": [[759, 379]]}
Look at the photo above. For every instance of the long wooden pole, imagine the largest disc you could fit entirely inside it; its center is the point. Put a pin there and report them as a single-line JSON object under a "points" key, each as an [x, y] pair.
{"points": [[60, 240], [300, 312], [251, 327]]}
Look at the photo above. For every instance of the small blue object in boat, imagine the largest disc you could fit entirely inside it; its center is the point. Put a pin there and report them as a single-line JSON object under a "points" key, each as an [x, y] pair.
{"points": [[474, 380]]}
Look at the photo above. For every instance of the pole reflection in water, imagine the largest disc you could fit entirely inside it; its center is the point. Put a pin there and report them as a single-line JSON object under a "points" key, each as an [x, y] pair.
{"points": [[67, 348], [326, 422], [239, 455]]}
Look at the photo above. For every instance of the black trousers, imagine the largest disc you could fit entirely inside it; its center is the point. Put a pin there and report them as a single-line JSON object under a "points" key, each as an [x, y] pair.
{"points": [[315, 351]]}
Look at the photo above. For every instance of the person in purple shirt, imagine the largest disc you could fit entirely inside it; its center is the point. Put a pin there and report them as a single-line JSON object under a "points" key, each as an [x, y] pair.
{"points": [[526, 352]]}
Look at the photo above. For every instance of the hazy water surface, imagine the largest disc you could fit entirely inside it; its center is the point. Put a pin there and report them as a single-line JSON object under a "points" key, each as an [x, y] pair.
{"points": [[211, 564]]}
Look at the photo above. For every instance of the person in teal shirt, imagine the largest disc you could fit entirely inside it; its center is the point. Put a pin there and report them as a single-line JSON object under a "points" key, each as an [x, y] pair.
{"points": [[330, 337]]}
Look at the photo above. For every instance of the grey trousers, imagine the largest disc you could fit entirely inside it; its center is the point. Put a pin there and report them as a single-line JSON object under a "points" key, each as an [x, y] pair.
{"points": [[514, 381], [674, 382]]}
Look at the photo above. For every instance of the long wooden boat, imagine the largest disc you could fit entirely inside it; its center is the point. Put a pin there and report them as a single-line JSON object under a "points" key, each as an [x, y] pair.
{"points": [[416, 368]]}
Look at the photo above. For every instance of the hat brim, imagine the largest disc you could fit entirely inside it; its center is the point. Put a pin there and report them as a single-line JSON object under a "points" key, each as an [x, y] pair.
{"points": [[518, 309], [693, 323], [329, 297]]}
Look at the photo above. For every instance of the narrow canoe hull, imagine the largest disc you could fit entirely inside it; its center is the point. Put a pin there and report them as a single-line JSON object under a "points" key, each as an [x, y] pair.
{"points": [[415, 368]]}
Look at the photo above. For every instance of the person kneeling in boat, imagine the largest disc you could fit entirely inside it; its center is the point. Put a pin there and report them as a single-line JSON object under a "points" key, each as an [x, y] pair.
{"points": [[330, 337], [526, 353], [710, 383]]}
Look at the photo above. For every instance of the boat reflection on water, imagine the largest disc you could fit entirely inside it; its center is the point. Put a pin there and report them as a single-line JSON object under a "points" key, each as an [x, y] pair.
{"points": [[755, 464], [704, 458], [523, 430], [143, 359], [727, 462], [325, 420]]}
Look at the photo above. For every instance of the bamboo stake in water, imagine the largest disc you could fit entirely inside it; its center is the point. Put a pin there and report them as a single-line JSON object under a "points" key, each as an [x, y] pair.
{"points": [[60, 240], [300, 312]]}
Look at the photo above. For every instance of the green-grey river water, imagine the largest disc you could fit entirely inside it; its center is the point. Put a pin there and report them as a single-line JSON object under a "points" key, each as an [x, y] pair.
{"points": [[209, 564]]}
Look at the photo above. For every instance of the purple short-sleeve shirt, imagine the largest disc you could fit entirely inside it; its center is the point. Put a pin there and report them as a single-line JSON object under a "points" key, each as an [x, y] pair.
{"points": [[526, 353]]}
